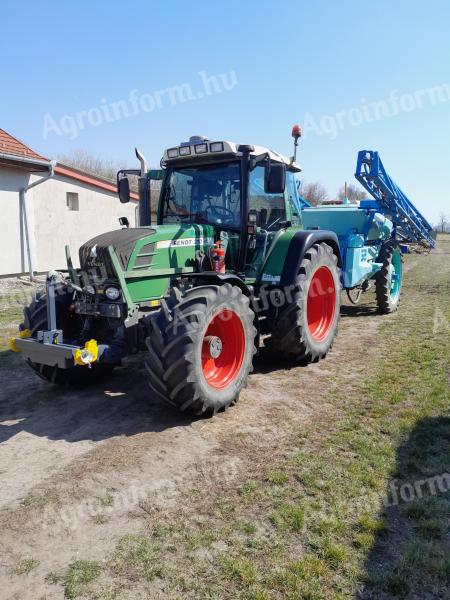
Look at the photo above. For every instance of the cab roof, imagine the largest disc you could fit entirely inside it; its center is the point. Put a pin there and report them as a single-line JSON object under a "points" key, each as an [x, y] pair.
{"points": [[201, 149]]}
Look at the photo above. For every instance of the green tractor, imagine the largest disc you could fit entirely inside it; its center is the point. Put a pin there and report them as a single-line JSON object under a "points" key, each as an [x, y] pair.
{"points": [[226, 267]]}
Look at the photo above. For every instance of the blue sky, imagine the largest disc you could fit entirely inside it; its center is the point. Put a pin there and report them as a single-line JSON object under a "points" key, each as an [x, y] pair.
{"points": [[323, 64]]}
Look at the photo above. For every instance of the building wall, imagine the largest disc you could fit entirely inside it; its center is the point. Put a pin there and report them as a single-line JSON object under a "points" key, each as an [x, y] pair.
{"points": [[12, 258], [55, 225], [52, 225]]}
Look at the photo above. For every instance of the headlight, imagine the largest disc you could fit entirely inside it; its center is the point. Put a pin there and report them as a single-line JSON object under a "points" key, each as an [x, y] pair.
{"points": [[216, 147], [112, 293], [185, 150], [201, 148], [172, 152]]}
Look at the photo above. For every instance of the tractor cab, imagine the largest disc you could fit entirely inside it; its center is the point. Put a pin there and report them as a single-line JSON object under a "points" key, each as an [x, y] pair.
{"points": [[244, 194]]}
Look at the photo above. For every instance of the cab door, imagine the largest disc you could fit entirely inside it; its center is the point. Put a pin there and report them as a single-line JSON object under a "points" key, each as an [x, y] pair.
{"points": [[272, 213], [293, 200]]}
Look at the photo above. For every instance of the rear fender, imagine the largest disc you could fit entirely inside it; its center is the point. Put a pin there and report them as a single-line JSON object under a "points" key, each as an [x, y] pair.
{"points": [[283, 263], [299, 246]]}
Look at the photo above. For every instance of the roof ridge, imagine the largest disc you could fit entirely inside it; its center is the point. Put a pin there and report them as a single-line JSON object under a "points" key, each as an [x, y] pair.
{"points": [[86, 172], [22, 148]]}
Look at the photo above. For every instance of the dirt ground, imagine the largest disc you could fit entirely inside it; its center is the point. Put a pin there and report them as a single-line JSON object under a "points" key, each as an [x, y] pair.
{"points": [[67, 458]]}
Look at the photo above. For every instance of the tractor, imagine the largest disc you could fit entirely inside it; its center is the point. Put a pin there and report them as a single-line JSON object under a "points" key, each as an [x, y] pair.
{"points": [[226, 267]]}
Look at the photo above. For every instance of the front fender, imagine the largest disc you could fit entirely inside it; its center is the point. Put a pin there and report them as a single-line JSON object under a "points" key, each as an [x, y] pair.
{"points": [[214, 278]]}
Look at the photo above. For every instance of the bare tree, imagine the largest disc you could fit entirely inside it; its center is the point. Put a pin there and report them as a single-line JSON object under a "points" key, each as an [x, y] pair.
{"points": [[85, 161], [354, 194], [442, 223], [314, 192]]}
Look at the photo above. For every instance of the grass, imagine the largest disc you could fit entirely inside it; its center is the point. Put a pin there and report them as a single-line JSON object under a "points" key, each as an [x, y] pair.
{"points": [[10, 317], [25, 566], [277, 477], [106, 500], [35, 500], [79, 575], [315, 517], [53, 578], [100, 519], [241, 569], [137, 555], [289, 517], [11, 311], [11, 314]]}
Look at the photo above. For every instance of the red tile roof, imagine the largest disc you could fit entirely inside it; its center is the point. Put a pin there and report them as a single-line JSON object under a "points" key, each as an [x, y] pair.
{"points": [[89, 178], [14, 147]]}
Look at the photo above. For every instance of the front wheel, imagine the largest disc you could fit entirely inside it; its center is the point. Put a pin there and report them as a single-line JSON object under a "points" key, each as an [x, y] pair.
{"points": [[305, 327], [200, 348], [388, 281]]}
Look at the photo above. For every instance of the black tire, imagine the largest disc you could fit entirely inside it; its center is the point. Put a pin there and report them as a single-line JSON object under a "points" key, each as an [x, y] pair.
{"points": [[387, 302], [35, 319], [176, 347], [294, 339]]}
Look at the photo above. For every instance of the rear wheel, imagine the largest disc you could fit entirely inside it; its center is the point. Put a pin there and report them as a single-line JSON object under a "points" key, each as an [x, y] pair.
{"points": [[388, 281], [200, 348], [305, 327], [35, 319]]}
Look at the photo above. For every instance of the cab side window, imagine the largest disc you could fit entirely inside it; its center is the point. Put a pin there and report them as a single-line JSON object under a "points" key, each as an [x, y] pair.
{"points": [[270, 208], [294, 202]]}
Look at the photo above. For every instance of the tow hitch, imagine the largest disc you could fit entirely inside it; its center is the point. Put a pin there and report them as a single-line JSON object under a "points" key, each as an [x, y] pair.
{"points": [[87, 355]]}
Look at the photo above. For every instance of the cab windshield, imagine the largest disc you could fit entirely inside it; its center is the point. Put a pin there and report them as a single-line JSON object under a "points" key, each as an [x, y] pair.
{"points": [[209, 194]]}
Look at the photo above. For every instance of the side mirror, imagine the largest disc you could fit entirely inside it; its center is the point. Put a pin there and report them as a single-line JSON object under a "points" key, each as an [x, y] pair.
{"points": [[274, 178], [123, 189]]}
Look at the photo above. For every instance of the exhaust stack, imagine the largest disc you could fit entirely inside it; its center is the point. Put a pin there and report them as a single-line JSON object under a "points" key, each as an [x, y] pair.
{"points": [[145, 213]]}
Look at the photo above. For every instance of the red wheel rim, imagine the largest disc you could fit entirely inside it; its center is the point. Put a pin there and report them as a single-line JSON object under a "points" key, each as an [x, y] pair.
{"points": [[223, 349], [321, 303]]}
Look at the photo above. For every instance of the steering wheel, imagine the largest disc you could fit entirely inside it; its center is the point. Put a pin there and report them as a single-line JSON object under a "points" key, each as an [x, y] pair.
{"points": [[219, 212]]}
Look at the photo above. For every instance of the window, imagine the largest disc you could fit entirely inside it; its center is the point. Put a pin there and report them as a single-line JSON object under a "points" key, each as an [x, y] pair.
{"points": [[206, 194], [72, 201], [270, 208], [293, 198]]}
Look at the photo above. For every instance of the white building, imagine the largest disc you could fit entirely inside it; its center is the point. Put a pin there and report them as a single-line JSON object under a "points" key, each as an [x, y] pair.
{"points": [[44, 206]]}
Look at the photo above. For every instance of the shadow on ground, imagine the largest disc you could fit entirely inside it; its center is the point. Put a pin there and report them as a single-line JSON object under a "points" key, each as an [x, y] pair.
{"points": [[357, 310], [411, 554], [123, 405]]}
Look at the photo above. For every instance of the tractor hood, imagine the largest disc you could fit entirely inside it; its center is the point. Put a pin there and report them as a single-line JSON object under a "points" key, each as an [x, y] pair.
{"points": [[122, 241], [161, 247]]}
